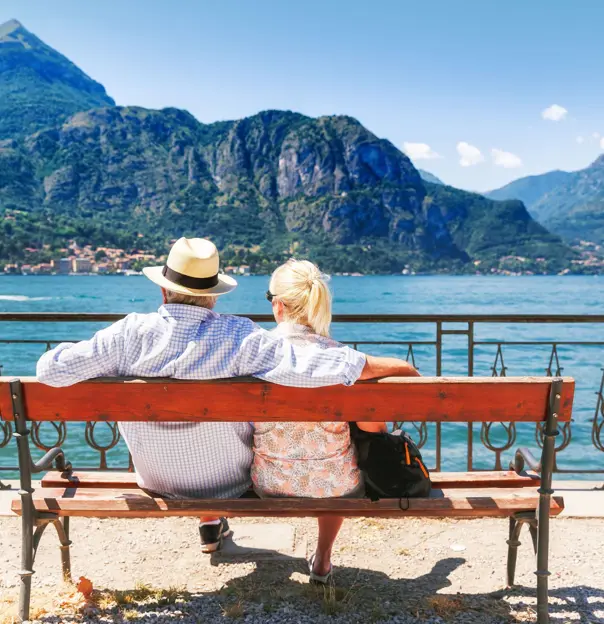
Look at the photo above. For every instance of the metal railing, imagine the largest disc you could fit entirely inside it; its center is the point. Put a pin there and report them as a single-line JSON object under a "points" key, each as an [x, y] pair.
{"points": [[421, 339]]}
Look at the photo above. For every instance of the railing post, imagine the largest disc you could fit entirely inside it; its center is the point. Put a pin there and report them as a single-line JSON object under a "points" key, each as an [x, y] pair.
{"points": [[470, 374], [439, 371], [439, 348], [470, 348], [545, 494]]}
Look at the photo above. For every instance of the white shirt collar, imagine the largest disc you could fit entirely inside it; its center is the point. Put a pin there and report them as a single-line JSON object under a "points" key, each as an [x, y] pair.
{"points": [[184, 311]]}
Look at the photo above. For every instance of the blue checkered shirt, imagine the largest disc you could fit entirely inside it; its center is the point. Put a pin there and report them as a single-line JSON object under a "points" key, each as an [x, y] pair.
{"points": [[195, 460]]}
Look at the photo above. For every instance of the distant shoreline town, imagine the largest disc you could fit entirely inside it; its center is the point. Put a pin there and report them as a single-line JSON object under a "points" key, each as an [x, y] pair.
{"points": [[84, 260], [90, 260], [87, 260]]}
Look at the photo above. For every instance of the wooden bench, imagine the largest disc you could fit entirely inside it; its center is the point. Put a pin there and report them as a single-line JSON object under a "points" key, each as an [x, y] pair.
{"points": [[525, 497]]}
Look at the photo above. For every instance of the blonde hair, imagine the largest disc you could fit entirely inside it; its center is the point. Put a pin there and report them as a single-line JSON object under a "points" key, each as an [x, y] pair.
{"points": [[205, 301], [305, 294]]}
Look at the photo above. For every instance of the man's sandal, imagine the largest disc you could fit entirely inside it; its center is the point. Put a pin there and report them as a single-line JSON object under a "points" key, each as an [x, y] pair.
{"points": [[316, 578]]}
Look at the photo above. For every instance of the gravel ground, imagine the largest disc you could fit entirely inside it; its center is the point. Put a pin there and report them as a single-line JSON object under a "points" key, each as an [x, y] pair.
{"points": [[404, 571]]}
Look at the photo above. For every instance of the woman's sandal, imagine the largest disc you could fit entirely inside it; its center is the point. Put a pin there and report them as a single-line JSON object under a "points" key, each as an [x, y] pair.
{"points": [[316, 578]]}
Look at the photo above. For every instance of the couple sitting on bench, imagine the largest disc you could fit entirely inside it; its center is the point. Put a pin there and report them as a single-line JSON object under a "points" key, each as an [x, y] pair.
{"points": [[186, 339]]}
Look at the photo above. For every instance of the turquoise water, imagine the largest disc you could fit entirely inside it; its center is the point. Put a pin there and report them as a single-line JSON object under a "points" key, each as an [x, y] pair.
{"points": [[384, 294]]}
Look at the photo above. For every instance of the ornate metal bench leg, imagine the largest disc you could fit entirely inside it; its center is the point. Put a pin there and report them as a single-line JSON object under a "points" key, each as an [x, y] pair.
{"points": [[542, 565], [533, 530], [25, 492], [542, 570], [513, 543], [27, 555], [62, 526], [545, 494], [30, 518]]}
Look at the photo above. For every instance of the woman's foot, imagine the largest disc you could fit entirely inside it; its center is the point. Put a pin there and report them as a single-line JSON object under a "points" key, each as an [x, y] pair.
{"points": [[320, 571]]}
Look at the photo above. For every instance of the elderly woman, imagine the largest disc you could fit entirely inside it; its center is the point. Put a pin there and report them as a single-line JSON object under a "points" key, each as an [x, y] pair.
{"points": [[307, 459]]}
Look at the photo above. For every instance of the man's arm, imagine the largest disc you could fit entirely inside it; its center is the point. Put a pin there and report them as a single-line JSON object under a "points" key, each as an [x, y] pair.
{"points": [[70, 363], [276, 359]]}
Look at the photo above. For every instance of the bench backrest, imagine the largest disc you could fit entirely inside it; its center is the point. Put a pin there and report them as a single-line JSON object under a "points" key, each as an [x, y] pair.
{"points": [[430, 399]]}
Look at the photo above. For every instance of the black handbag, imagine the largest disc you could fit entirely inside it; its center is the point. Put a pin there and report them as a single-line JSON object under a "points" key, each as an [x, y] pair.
{"points": [[391, 464]]}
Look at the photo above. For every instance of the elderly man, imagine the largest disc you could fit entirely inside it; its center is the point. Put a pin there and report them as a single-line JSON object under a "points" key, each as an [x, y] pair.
{"points": [[186, 339]]}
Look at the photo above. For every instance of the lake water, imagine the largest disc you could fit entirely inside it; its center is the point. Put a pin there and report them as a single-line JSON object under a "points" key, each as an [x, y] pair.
{"points": [[379, 295]]}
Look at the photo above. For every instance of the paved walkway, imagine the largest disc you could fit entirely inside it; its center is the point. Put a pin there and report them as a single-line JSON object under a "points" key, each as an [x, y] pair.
{"points": [[401, 571]]}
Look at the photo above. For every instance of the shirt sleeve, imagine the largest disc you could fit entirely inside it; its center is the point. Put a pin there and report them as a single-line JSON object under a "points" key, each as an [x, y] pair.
{"points": [[70, 363], [277, 360]]}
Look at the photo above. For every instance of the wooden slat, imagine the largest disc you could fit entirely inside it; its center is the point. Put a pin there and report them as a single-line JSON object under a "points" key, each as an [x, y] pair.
{"points": [[431, 399], [91, 479], [98, 503], [127, 480]]}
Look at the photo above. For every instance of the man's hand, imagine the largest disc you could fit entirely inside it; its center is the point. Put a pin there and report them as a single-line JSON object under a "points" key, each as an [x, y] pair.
{"points": [[387, 367]]}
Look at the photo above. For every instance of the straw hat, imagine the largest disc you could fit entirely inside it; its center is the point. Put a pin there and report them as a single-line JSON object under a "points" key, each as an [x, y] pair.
{"points": [[192, 269]]}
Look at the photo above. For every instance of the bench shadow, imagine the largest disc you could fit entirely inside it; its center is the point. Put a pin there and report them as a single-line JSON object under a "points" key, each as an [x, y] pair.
{"points": [[357, 589], [579, 603]]}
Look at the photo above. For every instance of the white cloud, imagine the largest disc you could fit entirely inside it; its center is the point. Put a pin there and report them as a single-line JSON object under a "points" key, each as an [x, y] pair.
{"points": [[554, 113], [469, 154], [602, 142], [420, 151], [507, 160], [580, 140], [596, 135]]}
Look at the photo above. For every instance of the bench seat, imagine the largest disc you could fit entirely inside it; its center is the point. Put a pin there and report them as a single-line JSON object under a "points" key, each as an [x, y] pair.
{"points": [[113, 479], [136, 503]]}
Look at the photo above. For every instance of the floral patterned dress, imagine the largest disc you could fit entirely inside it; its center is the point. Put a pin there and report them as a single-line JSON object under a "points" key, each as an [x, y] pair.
{"points": [[304, 459]]}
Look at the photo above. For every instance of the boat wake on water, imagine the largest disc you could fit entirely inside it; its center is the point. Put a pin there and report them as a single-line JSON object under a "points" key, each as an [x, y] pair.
{"points": [[24, 298]]}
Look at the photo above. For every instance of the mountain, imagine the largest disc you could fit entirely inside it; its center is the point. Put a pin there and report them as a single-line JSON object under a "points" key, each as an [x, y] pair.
{"points": [[429, 177], [570, 204], [262, 187], [575, 208], [264, 183], [39, 87], [531, 189], [488, 229]]}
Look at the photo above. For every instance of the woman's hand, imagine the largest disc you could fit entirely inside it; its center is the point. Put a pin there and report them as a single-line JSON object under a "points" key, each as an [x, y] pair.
{"points": [[373, 427]]}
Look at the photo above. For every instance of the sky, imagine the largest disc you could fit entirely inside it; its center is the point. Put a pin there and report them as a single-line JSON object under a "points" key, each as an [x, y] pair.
{"points": [[478, 92]]}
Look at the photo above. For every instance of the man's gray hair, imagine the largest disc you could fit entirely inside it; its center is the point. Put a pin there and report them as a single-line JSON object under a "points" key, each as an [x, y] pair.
{"points": [[203, 302]]}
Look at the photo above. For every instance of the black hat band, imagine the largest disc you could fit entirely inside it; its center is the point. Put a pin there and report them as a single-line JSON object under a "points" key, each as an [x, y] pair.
{"points": [[197, 283]]}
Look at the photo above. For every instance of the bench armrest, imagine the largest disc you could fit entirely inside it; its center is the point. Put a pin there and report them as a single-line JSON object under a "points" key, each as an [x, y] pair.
{"points": [[55, 455], [524, 457]]}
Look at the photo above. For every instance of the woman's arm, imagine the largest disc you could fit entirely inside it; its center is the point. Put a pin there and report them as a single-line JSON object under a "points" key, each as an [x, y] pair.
{"points": [[384, 367], [387, 367]]}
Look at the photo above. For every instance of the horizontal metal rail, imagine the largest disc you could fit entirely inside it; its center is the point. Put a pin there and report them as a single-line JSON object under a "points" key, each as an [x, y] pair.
{"points": [[92, 317]]}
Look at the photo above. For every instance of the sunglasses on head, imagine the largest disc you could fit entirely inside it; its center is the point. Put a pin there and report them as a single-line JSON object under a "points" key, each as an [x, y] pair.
{"points": [[270, 296]]}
